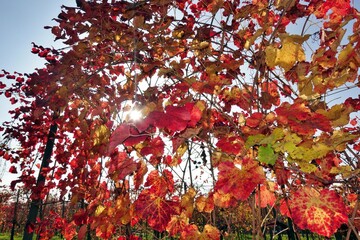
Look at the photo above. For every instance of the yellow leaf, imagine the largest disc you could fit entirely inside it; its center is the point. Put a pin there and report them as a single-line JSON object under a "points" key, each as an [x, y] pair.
{"points": [[290, 52], [178, 34], [99, 210], [307, 167], [181, 150], [344, 54], [101, 135], [337, 114], [203, 45]]}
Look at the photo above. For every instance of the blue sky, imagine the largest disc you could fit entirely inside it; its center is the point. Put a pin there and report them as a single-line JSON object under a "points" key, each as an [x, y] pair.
{"points": [[22, 22]]}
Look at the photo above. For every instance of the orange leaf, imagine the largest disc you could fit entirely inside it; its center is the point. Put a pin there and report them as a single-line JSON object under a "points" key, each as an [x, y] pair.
{"points": [[266, 197], [140, 173], [177, 223], [239, 182], [205, 204], [191, 232], [160, 185]]}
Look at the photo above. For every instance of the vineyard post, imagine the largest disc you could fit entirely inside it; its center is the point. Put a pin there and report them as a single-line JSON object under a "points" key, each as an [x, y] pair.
{"points": [[35, 203]]}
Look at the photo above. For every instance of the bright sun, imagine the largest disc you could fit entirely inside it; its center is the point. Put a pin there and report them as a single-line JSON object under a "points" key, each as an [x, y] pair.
{"points": [[134, 115]]}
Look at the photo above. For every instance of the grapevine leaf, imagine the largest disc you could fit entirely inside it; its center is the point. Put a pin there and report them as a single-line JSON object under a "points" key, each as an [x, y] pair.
{"points": [[140, 173], [205, 204], [289, 53], [321, 212], [266, 197], [192, 232], [82, 232], [156, 210], [177, 223], [160, 185], [267, 155], [239, 183], [121, 165]]}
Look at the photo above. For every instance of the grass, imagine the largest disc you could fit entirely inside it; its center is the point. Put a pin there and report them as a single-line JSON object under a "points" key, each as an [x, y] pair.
{"points": [[6, 236]]}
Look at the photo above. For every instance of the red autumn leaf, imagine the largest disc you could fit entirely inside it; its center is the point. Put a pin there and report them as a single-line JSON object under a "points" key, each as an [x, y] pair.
{"points": [[239, 183], [160, 185], [176, 118], [282, 174], [140, 173], [210, 232], [13, 169], [105, 231], [80, 217], [10, 76], [205, 204], [224, 200], [70, 230], [284, 208], [232, 145], [125, 134], [301, 119], [321, 212], [120, 134], [183, 113], [254, 120], [154, 147], [35, 50], [196, 115], [121, 165], [82, 232], [354, 103], [132, 237], [191, 232], [265, 197], [155, 209], [7, 94]]}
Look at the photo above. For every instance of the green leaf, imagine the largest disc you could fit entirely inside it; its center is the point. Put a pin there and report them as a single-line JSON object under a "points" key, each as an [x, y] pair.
{"points": [[267, 155], [254, 139]]}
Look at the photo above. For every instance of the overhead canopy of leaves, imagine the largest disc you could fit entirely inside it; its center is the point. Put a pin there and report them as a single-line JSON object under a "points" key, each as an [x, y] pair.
{"points": [[243, 103]]}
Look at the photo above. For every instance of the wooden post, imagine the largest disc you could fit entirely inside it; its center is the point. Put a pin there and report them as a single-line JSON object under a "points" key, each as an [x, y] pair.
{"points": [[35, 203], [14, 221]]}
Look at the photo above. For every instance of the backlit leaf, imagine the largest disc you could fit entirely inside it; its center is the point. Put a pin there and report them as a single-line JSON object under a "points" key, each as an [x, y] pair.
{"points": [[290, 52], [267, 155], [239, 183], [156, 210], [101, 135], [205, 204], [266, 196], [177, 224], [192, 232], [322, 212]]}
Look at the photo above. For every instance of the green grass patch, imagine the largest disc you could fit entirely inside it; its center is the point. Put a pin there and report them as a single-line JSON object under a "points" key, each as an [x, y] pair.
{"points": [[6, 236]]}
